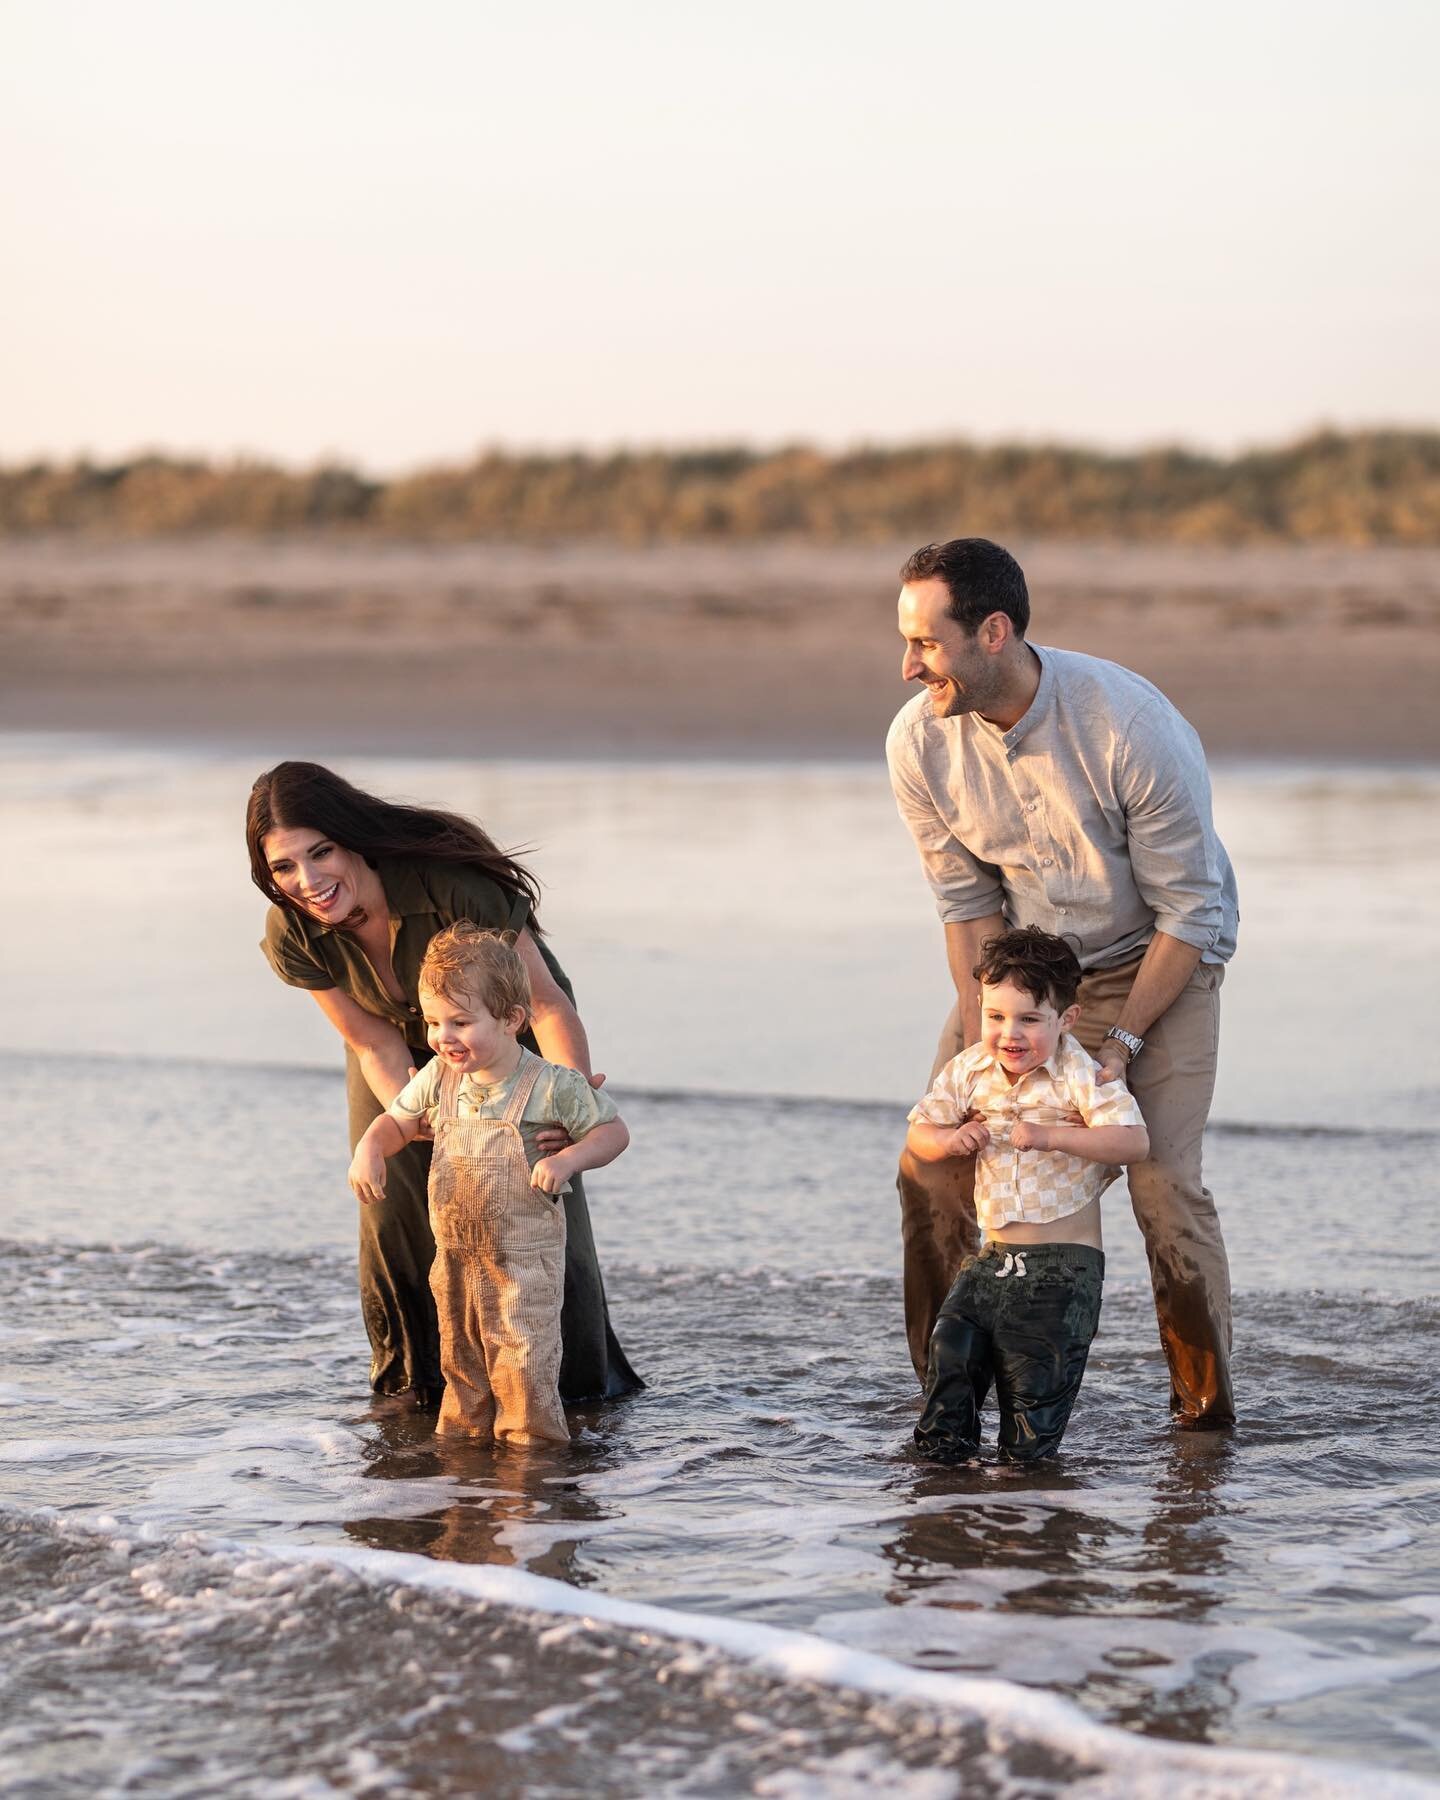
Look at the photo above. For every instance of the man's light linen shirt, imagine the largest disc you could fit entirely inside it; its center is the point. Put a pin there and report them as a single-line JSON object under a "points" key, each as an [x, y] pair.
{"points": [[1030, 1187], [1090, 817]]}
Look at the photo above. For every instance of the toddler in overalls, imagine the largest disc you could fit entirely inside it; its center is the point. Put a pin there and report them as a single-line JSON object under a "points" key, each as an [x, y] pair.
{"points": [[1047, 1130], [495, 1203]]}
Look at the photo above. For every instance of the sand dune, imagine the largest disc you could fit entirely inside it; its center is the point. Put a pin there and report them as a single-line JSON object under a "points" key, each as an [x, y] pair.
{"points": [[763, 649]]}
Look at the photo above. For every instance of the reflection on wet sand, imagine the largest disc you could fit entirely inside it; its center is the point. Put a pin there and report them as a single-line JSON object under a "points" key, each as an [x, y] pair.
{"points": [[1043, 1543], [499, 1488]]}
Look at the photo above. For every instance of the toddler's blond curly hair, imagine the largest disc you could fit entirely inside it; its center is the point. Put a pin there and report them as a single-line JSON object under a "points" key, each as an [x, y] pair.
{"points": [[468, 964]]}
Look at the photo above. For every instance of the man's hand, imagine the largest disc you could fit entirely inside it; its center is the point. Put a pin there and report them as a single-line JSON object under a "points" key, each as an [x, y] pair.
{"points": [[1114, 1061]]}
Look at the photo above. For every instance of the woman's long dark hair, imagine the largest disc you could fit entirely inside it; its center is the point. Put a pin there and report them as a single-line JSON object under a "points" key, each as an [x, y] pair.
{"points": [[310, 796]]}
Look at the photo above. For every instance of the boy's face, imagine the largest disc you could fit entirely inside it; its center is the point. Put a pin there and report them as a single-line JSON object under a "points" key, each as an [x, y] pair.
{"points": [[465, 1034], [1018, 1030]]}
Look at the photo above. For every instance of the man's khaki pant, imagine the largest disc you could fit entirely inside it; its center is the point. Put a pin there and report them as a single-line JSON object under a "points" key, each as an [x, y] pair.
{"points": [[1173, 1079]]}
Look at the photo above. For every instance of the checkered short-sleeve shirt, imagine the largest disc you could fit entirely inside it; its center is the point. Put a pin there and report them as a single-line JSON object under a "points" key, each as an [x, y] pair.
{"points": [[1030, 1187]]}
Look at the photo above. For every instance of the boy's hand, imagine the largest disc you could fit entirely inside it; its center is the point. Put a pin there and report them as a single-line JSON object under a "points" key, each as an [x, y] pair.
{"points": [[367, 1175], [969, 1138], [1025, 1136], [550, 1174]]}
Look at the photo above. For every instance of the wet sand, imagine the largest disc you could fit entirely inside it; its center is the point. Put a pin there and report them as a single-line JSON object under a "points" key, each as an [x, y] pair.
{"points": [[681, 650]]}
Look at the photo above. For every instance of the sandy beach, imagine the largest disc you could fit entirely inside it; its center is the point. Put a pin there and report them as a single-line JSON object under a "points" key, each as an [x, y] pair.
{"points": [[765, 650]]}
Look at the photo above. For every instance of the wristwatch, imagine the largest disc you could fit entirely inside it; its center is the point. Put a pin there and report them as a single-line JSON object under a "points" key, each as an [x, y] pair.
{"points": [[1128, 1038]]}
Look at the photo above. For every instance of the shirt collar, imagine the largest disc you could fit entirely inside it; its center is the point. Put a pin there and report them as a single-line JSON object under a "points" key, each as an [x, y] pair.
{"points": [[1040, 704], [1038, 707]]}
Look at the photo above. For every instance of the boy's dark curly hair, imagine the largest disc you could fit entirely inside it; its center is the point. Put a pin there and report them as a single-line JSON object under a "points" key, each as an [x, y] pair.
{"points": [[1043, 965]]}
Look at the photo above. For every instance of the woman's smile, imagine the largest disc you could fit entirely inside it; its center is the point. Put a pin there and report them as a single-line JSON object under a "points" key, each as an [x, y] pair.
{"points": [[322, 901]]}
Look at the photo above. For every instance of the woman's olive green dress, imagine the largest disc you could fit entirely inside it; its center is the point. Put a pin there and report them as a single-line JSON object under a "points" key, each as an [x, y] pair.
{"points": [[396, 1247]]}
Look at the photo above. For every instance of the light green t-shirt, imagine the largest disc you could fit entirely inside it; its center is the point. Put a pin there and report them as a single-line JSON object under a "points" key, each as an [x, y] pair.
{"points": [[559, 1097]]}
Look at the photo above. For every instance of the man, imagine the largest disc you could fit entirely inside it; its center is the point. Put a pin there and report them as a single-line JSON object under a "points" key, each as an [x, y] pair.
{"points": [[1047, 788]]}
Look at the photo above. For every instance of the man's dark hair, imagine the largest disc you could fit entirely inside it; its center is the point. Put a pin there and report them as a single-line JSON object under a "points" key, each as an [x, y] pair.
{"points": [[1045, 967], [981, 579]]}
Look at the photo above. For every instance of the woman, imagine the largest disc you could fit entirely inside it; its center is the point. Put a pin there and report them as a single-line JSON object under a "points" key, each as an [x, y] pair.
{"points": [[359, 887]]}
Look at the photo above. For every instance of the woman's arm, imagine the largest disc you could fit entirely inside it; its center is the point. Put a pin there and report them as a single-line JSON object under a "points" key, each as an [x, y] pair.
{"points": [[380, 1049], [1092, 1143], [556, 1023]]}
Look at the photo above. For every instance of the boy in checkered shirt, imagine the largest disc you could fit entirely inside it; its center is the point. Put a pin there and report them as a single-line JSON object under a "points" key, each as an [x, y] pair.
{"points": [[1048, 1131]]}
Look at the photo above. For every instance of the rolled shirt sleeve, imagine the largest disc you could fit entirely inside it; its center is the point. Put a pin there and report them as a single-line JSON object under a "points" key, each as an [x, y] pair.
{"points": [[1179, 868], [963, 886]]}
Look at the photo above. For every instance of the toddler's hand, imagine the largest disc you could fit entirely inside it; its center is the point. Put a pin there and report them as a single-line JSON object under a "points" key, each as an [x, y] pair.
{"points": [[1025, 1136], [970, 1137], [367, 1176], [549, 1174]]}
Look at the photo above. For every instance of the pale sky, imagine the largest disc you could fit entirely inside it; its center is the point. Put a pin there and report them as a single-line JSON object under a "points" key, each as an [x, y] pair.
{"points": [[395, 233]]}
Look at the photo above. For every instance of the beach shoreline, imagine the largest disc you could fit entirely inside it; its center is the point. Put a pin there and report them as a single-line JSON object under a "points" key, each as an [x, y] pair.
{"points": [[771, 650]]}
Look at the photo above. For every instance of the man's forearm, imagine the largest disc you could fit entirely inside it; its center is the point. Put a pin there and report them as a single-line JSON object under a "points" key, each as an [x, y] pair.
{"points": [[1159, 981], [963, 939]]}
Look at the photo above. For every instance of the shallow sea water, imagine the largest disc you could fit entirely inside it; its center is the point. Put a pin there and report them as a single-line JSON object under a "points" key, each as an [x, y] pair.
{"points": [[227, 1573]]}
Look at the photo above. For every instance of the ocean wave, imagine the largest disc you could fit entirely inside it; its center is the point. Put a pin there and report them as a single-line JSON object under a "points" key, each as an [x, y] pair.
{"points": [[790, 1712]]}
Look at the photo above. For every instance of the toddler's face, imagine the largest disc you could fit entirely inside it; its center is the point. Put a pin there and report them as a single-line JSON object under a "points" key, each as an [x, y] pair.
{"points": [[464, 1033], [1018, 1030]]}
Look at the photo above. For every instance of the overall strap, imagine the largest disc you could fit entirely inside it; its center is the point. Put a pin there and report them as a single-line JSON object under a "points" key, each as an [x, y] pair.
{"points": [[531, 1068]]}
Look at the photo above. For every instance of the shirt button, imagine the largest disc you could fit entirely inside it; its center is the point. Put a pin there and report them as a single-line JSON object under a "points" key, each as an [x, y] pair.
{"points": [[1030, 807], [1047, 862]]}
